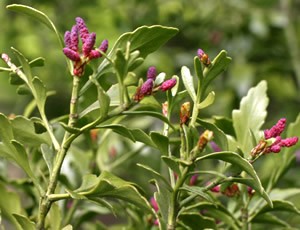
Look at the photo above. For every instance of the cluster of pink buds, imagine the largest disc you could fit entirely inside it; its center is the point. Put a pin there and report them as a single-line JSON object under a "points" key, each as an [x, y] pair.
{"points": [[149, 87], [88, 41], [272, 141], [155, 207], [231, 191], [203, 57]]}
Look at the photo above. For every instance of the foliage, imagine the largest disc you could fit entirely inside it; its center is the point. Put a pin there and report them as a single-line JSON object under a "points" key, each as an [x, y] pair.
{"points": [[204, 171]]}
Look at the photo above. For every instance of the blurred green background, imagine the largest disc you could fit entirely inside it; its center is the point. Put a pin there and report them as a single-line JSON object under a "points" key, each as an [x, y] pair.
{"points": [[261, 36]]}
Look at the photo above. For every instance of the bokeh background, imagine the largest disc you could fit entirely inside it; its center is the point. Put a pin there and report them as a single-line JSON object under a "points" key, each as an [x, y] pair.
{"points": [[261, 36]]}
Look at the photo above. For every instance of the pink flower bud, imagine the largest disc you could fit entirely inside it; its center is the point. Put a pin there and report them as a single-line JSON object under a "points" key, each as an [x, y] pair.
{"points": [[167, 85], [67, 39], [276, 130], [154, 204], [184, 114], [71, 54], [288, 142], [74, 38], [203, 57], [104, 46], [193, 179], [146, 88], [83, 30], [88, 44], [151, 74]]}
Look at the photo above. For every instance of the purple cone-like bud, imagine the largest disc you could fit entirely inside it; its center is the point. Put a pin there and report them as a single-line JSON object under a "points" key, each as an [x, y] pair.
{"points": [[89, 44], [203, 57], [104, 46], [276, 130], [83, 30], [74, 38], [169, 84], [67, 39], [288, 142], [71, 54], [151, 74], [146, 88], [193, 179], [200, 53]]}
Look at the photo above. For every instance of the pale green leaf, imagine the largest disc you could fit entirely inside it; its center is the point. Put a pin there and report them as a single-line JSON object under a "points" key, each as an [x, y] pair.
{"points": [[200, 191], [250, 116], [209, 100], [25, 222], [48, 155], [188, 82], [68, 227], [54, 217], [41, 93], [6, 131]]}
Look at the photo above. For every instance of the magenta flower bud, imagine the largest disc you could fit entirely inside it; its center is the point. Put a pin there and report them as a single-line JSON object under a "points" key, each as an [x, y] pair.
{"points": [[276, 130], [71, 54], [154, 204], [89, 44], [203, 57], [215, 146], [156, 222], [193, 179], [167, 85], [74, 38], [95, 54], [275, 149], [67, 39], [288, 142], [104, 46], [83, 30], [146, 88], [214, 189], [151, 74]]}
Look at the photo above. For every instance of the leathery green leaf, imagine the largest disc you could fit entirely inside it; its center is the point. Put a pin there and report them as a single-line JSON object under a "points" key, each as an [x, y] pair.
{"points": [[239, 161], [41, 93], [6, 131], [172, 164], [25, 222], [161, 141], [195, 220], [145, 39], [120, 129], [109, 185], [68, 227], [278, 205], [218, 211], [26, 68], [250, 116], [54, 217], [198, 191], [218, 65], [188, 82], [209, 100], [270, 219], [10, 204]]}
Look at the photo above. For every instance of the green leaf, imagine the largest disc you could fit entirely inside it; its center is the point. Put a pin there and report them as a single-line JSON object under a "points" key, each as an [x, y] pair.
{"points": [[54, 217], [38, 15], [195, 220], [268, 218], [198, 69], [24, 90], [69, 128], [24, 132], [278, 205], [172, 163], [145, 39], [109, 185], [219, 136], [284, 194], [160, 79], [161, 141], [218, 65], [236, 159], [250, 116], [120, 129], [38, 62], [104, 101], [68, 227], [14, 79], [150, 113], [6, 131], [26, 68], [141, 136], [41, 93], [120, 63], [10, 204], [48, 155], [157, 176], [174, 90], [218, 211], [188, 82], [200, 191], [209, 100], [88, 182], [25, 222]]}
